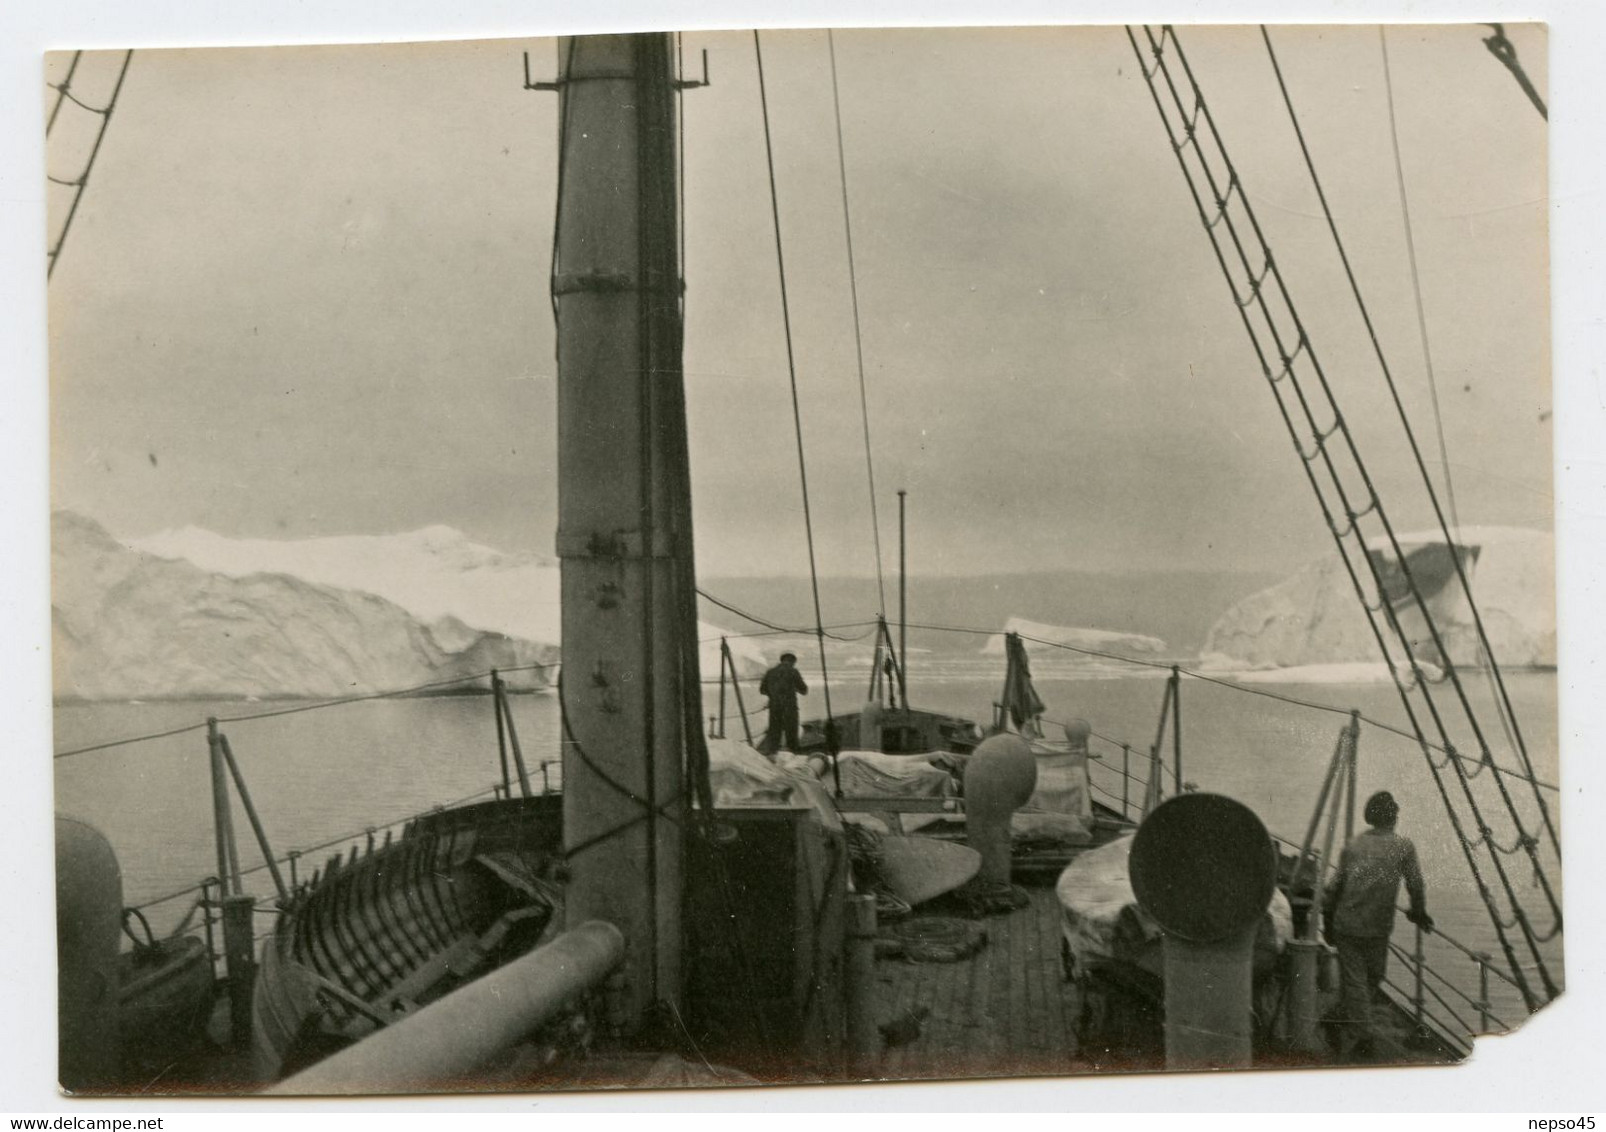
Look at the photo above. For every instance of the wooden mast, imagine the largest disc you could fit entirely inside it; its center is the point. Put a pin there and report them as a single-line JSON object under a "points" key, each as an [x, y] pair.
{"points": [[624, 529]]}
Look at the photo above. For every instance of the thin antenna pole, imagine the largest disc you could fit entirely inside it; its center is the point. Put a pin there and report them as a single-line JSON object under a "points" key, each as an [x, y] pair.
{"points": [[903, 603]]}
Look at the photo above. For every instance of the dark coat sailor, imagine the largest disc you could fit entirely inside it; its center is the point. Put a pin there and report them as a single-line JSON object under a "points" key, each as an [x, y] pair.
{"points": [[783, 684], [1360, 916]]}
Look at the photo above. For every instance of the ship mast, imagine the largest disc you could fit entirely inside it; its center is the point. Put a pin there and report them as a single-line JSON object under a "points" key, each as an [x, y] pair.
{"points": [[624, 522]]}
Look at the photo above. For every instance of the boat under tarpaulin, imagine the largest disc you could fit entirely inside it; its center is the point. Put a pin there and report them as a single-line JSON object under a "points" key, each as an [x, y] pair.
{"points": [[375, 937], [1113, 951], [1102, 922]]}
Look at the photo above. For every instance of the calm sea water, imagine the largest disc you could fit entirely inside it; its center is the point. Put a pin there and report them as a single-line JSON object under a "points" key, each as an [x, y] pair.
{"points": [[320, 775]]}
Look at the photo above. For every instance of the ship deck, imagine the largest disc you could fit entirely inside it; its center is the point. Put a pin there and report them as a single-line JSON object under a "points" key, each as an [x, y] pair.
{"points": [[1005, 1011], [1008, 1011]]}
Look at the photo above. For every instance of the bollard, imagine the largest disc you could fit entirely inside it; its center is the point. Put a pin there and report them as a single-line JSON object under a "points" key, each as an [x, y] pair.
{"points": [[1304, 1002], [238, 964], [864, 1041]]}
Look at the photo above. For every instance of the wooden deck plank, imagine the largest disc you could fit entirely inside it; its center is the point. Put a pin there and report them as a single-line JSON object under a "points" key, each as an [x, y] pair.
{"points": [[1061, 1037], [1004, 1011], [1020, 1011], [1037, 989], [1039, 1050]]}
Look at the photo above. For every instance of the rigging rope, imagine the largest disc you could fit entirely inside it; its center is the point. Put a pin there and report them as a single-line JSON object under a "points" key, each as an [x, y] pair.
{"points": [[781, 628], [105, 115], [858, 336], [1504, 709], [1410, 252], [1508, 718], [299, 708], [61, 91], [1188, 135], [1505, 51], [797, 413]]}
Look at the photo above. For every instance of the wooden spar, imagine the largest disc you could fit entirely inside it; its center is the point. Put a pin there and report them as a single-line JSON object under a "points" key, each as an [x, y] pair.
{"points": [[518, 751], [501, 732], [624, 531], [741, 708], [228, 860], [724, 665], [251, 814]]}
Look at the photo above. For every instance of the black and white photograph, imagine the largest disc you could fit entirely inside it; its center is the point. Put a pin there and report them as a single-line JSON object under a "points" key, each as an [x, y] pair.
{"points": [[696, 560]]}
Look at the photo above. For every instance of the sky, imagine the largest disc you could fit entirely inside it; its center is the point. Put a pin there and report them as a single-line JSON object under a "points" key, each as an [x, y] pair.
{"points": [[306, 294]]}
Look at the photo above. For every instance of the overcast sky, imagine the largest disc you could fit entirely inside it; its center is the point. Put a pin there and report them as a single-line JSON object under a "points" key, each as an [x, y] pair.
{"points": [[306, 294]]}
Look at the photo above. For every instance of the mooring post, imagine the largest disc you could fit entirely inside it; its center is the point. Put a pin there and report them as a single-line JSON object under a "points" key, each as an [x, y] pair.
{"points": [[1304, 1001], [864, 1041]]}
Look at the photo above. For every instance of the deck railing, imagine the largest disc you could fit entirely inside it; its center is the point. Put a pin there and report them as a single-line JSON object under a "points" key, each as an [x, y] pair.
{"points": [[1436, 1000], [1424, 999]]}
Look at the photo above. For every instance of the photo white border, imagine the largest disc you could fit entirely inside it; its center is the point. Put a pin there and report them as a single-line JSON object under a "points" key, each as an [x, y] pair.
{"points": [[1551, 1068]]}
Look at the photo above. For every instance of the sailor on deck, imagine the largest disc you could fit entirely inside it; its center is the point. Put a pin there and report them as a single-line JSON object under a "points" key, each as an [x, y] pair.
{"points": [[1359, 912], [783, 684]]}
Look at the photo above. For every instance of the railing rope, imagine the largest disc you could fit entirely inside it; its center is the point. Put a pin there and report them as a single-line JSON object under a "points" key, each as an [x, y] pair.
{"points": [[1126, 777]]}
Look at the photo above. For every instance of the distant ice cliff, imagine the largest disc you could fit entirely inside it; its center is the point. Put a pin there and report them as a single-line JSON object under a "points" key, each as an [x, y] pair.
{"points": [[437, 574], [189, 612], [131, 624]]}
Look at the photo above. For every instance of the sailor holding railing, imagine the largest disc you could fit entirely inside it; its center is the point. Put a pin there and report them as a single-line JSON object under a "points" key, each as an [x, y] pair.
{"points": [[1359, 913]]}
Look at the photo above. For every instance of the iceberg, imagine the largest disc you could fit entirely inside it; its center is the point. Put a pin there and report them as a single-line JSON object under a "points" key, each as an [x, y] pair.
{"points": [[437, 573], [127, 624], [1314, 619], [1097, 640]]}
